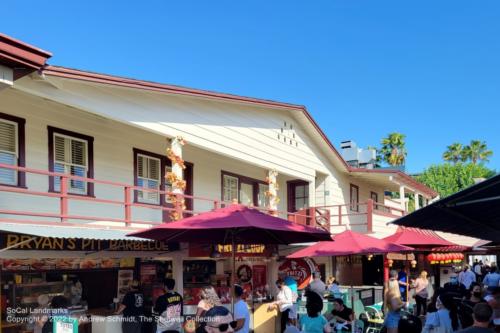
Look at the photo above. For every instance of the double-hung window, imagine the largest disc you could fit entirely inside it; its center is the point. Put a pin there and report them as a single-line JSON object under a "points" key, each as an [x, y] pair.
{"points": [[149, 177], [354, 198], [230, 188], [149, 173], [11, 149], [71, 154]]}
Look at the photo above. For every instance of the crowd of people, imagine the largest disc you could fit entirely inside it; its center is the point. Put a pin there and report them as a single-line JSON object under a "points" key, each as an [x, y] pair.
{"points": [[465, 304], [462, 305]]}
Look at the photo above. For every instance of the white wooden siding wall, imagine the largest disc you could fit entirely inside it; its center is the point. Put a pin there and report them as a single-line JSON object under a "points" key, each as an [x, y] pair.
{"points": [[241, 131], [113, 159], [220, 135]]}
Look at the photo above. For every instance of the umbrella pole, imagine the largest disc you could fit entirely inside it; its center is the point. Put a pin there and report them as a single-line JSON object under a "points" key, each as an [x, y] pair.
{"points": [[352, 291], [407, 282], [233, 273]]}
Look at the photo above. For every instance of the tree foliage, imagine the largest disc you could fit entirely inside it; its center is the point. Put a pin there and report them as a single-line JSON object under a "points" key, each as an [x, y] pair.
{"points": [[454, 153], [477, 151], [448, 178], [393, 149]]}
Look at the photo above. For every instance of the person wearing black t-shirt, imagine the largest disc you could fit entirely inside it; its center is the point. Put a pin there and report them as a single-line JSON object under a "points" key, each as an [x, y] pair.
{"points": [[168, 307], [132, 307], [342, 313]]}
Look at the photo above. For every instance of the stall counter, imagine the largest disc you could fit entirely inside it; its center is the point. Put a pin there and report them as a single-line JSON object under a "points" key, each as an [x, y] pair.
{"points": [[264, 320]]}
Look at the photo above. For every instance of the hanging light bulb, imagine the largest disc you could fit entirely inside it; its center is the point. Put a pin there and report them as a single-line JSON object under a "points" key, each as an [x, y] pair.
{"points": [[413, 263], [370, 257]]}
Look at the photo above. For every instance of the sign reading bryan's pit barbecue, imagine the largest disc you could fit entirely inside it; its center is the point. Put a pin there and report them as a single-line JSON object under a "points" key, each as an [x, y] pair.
{"points": [[79, 244]]}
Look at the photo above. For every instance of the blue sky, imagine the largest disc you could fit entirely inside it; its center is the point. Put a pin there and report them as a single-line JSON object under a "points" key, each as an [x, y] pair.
{"points": [[428, 69]]}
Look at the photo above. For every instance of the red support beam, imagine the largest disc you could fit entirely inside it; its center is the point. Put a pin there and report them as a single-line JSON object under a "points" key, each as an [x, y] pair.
{"points": [[63, 209], [369, 215], [128, 205]]}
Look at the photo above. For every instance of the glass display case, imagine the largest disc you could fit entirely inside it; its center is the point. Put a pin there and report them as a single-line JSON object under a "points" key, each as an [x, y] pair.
{"points": [[25, 295]]}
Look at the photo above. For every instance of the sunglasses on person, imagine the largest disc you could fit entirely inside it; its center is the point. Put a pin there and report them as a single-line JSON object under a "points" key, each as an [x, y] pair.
{"points": [[224, 327]]}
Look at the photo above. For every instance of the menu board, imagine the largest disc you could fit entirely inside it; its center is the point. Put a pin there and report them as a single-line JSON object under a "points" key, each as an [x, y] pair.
{"points": [[259, 276], [125, 278], [148, 273]]}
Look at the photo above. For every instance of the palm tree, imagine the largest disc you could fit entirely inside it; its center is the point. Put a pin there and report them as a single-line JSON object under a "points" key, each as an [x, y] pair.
{"points": [[393, 149], [455, 153], [477, 151]]}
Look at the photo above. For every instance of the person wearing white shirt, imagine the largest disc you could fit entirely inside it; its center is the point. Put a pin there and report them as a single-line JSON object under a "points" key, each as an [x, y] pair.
{"points": [[241, 313], [284, 302], [318, 286], [466, 277]]}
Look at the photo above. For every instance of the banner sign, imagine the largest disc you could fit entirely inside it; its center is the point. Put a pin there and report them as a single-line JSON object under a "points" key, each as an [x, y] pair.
{"points": [[401, 256], [79, 244]]}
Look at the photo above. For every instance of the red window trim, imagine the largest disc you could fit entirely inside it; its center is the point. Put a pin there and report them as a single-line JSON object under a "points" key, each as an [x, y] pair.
{"points": [[21, 137], [356, 209], [242, 179], [290, 187], [90, 146], [375, 201]]}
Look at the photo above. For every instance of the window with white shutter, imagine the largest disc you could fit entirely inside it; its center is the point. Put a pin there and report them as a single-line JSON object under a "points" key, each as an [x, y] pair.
{"points": [[230, 188], [9, 151], [148, 176], [71, 157], [262, 197]]}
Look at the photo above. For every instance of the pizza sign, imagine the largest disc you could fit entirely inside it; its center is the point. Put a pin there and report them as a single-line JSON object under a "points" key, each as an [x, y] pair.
{"points": [[299, 269]]}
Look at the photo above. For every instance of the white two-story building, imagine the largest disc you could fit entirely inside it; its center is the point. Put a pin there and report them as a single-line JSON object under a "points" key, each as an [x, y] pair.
{"points": [[77, 147]]}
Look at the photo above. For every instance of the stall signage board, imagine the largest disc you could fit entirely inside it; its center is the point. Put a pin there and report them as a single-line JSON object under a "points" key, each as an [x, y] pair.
{"points": [[79, 244], [401, 256], [242, 250], [65, 325]]}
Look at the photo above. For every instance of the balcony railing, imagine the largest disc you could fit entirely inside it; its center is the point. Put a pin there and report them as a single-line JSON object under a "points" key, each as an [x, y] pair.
{"points": [[121, 208], [116, 196]]}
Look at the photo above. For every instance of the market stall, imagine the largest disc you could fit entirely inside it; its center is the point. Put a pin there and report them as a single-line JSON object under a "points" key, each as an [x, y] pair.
{"points": [[77, 268]]}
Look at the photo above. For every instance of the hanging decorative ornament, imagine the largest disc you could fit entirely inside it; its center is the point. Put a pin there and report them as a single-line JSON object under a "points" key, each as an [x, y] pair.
{"points": [[413, 263], [390, 262]]}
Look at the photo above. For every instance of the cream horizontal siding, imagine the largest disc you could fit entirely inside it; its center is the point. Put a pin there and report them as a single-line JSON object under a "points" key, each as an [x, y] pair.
{"points": [[113, 159], [240, 131]]}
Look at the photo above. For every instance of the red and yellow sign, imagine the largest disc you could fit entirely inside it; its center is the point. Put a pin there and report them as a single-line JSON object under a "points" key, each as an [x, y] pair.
{"points": [[299, 269]]}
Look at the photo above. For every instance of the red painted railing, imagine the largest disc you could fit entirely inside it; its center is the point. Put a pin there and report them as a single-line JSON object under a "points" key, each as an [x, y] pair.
{"points": [[323, 216], [62, 214]]}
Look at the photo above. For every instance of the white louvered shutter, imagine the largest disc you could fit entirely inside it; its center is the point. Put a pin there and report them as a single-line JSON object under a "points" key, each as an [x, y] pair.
{"points": [[230, 188], [70, 157], [8, 151], [148, 176]]}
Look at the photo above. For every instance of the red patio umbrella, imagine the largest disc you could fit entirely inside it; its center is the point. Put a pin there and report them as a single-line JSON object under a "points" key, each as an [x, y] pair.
{"points": [[417, 238], [349, 243], [235, 224]]}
